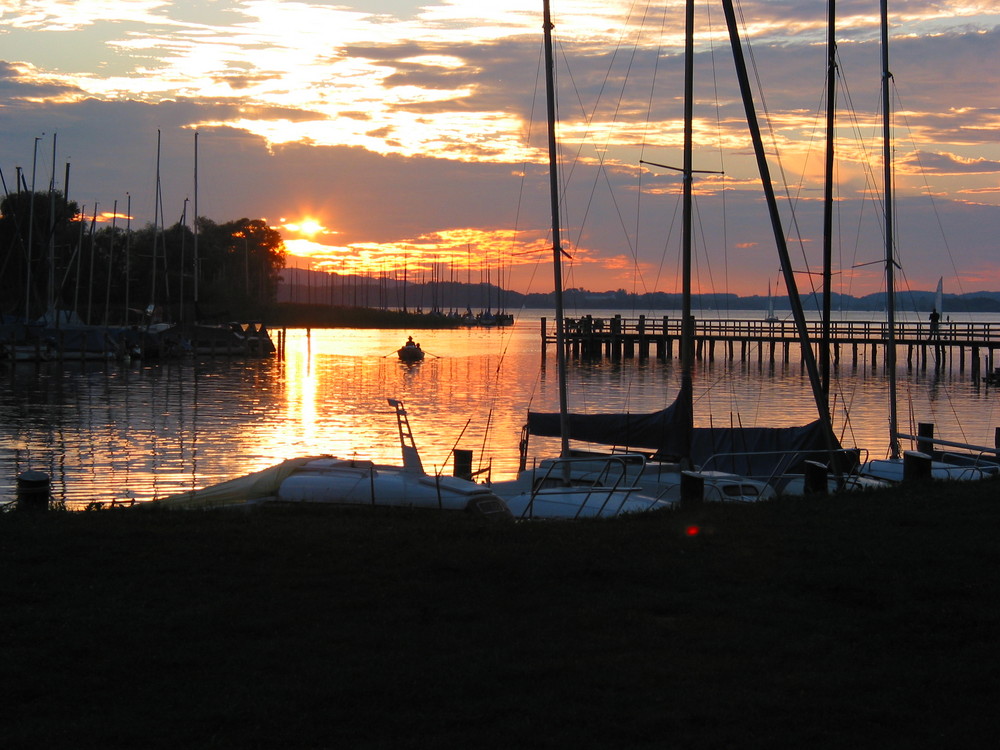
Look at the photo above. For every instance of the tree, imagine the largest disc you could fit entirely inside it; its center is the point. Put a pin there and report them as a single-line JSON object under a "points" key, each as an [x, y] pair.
{"points": [[39, 241], [112, 275]]}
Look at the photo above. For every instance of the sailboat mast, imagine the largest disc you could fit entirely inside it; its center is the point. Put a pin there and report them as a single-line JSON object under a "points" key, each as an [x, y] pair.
{"points": [[550, 100], [831, 114], [195, 225], [156, 232], [890, 289], [808, 359], [687, 321]]}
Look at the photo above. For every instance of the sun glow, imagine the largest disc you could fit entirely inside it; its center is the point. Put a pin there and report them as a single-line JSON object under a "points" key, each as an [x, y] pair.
{"points": [[308, 226]]}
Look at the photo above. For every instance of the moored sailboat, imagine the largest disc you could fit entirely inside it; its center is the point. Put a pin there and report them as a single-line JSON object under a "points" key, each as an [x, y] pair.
{"points": [[724, 463], [899, 466], [565, 487]]}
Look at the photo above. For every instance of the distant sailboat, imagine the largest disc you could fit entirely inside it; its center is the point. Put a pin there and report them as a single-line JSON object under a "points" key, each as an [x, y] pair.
{"points": [[770, 317]]}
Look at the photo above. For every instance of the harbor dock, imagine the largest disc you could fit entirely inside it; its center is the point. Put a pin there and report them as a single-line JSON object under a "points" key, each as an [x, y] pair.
{"points": [[958, 344]]}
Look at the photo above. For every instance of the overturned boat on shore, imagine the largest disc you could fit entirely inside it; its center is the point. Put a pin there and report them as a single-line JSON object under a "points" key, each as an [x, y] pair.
{"points": [[328, 480]]}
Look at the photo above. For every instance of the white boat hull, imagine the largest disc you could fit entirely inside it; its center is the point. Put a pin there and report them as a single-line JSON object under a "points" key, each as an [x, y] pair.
{"points": [[342, 482], [891, 470]]}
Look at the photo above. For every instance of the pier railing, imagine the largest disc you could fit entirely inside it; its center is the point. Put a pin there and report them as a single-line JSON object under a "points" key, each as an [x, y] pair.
{"points": [[971, 333], [620, 336]]}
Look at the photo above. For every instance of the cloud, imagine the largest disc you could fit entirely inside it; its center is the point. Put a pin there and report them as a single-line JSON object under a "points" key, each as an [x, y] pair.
{"points": [[952, 164], [404, 122], [22, 82]]}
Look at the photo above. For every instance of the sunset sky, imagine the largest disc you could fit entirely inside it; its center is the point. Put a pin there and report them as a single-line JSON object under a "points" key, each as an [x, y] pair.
{"points": [[378, 134]]}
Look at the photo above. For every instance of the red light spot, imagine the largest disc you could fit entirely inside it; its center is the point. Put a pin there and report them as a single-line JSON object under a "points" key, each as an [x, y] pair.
{"points": [[692, 530]]}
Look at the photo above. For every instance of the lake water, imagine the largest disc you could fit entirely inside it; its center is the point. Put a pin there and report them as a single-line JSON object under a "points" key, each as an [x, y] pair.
{"points": [[146, 430]]}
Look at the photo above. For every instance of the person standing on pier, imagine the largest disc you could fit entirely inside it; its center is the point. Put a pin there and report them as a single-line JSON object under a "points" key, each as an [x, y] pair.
{"points": [[935, 318]]}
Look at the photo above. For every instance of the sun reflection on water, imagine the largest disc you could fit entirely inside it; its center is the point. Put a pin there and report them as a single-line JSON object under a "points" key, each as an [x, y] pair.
{"points": [[105, 432]]}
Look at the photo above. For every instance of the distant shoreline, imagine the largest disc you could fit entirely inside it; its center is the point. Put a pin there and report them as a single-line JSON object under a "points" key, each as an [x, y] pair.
{"points": [[300, 287]]}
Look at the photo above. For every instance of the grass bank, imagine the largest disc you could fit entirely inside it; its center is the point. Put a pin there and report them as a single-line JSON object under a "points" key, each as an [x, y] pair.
{"points": [[860, 621]]}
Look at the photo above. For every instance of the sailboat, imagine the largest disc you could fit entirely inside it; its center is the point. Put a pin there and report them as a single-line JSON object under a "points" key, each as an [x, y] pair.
{"points": [[719, 463], [332, 481], [569, 487], [895, 467], [770, 317]]}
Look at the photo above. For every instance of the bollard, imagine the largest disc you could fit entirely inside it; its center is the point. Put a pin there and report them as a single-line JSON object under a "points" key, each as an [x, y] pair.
{"points": [[916, 466], [33, 491], [925, 437], [692, 488], [463, 464], [815, 478]]}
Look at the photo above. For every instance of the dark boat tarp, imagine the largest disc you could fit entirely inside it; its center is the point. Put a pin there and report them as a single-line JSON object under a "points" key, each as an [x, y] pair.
{"points": [[750, 451], [665, 431], [763, 452]]}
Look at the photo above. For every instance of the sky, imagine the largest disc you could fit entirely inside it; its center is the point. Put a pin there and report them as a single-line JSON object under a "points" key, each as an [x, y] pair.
{"points": [[396, 136]]}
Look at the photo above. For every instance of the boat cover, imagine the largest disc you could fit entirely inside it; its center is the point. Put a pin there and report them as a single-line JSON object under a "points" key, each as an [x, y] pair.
{"points": [[665, 431], [750, 451], [237, 491]]}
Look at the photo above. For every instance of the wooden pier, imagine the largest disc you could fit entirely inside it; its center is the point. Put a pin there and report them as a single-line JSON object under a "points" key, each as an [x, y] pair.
{"points": [[960, 343]]}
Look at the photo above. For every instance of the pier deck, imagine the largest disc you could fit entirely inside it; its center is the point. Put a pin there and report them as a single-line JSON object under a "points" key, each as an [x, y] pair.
{"points": [[618, 337]]}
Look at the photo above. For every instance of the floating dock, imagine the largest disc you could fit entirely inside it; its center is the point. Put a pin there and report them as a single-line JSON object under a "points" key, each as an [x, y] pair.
{"points": [[960, 343]]}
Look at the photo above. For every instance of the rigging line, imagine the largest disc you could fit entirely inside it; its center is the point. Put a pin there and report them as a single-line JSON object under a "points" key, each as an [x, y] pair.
{"points": [[601, 151], [929, 192], [800, 187], [766, 116], [642, 150], [862, 143], [719, 146], [704, 246]]}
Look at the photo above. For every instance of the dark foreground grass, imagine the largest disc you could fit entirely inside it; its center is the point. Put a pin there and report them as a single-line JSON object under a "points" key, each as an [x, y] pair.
{"points": [[863, 621]]}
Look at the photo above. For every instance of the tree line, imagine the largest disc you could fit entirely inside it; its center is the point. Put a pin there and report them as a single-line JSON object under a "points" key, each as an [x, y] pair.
{"points": [[53, 257]]}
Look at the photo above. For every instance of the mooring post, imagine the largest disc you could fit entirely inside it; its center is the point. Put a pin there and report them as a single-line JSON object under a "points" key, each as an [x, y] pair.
{"points": [[815, 479], [916, 466], [33, 491], [463, 464], [692, 488], [925, 437]]}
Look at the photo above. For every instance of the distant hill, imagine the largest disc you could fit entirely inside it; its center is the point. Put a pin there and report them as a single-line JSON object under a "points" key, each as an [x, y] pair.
{"points": [[316, 287]]}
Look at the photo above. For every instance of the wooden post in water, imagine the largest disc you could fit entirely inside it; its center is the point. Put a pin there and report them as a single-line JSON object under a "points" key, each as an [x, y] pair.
{"points": [[925, 437]]}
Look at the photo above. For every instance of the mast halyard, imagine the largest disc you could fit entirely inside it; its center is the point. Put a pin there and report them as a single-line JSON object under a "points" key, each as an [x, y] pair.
{"points": [[685, 398], [557, 251], [890, 262]]}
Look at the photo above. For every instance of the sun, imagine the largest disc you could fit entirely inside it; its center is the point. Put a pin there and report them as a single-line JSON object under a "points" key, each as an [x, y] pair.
{"points": [[308, 226]]}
